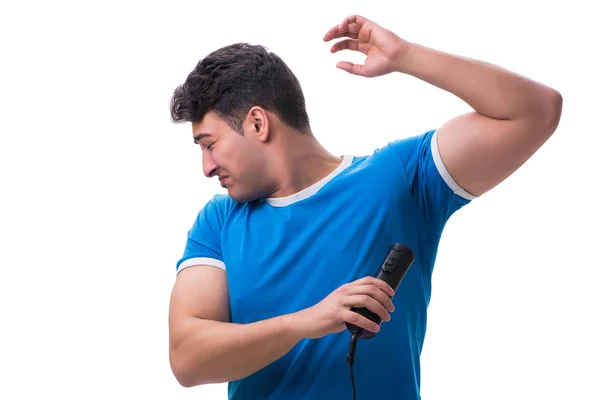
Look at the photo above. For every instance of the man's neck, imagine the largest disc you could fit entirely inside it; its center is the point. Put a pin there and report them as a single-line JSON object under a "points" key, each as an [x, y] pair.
{"points": [[301, 162]]}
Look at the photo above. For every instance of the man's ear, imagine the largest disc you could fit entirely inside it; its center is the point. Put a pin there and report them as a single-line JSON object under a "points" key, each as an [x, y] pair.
{"points": [[258, 123]]}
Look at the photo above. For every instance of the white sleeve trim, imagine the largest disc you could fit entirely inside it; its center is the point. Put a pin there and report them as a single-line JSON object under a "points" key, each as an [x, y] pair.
{"points": [[437, 159], [212, 262]]}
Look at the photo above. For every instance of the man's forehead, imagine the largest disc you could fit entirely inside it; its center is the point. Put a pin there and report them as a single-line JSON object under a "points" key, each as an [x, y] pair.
{"points": [[207, 126], [201, 129]]}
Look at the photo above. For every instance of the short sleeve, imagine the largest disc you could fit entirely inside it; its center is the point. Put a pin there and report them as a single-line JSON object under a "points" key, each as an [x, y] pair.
{"points": [[203, 244], [437, 194]]}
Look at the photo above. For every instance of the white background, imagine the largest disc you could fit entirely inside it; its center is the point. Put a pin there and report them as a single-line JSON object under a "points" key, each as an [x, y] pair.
{"points": [[98, 189]]}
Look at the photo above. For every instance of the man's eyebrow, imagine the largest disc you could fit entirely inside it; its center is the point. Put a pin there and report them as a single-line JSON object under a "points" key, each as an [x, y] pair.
{"points": [[200, 136]]}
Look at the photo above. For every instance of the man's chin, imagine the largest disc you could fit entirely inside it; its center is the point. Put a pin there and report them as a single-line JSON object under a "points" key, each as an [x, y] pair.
{"points": [[242, 197]]}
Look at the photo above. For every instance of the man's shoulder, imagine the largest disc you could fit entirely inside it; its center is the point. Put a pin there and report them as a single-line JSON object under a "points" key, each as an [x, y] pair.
{"points": [[222, 200], [399, 146], [409, 144], [219, 207], [401, 151], [223, 207]]}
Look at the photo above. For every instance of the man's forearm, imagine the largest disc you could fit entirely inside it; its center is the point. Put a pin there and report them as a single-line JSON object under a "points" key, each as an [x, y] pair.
{"points": [[491, 90], [215, 352]]}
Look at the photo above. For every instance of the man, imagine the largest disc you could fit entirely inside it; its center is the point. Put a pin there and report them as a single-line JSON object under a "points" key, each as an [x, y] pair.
{"points": [[271, 270]]}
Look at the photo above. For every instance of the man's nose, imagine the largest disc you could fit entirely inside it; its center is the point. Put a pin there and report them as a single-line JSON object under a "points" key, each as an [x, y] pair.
{"points": [[208, 165]]}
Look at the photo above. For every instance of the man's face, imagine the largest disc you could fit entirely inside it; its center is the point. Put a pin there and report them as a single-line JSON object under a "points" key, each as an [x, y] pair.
{"points": [[238, 160]]}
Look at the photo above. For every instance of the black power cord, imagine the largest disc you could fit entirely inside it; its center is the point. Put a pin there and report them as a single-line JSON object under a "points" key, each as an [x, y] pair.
{"points": [[356, 333]]}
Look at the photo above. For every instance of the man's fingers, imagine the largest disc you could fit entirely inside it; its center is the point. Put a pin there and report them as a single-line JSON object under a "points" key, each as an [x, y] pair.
{"points": [[373, 292], [355, 69], [360, 321], [362, 300], [349, 27], [371, 280], [337, 32], [353, 19], [348, 44]]}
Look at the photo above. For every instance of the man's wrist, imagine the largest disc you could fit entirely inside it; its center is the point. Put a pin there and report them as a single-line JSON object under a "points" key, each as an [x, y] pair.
{"points": [[404, 57], [295, 325]]}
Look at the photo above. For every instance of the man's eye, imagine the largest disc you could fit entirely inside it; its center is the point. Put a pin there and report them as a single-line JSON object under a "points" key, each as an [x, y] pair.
{"points": [[210, 146]]}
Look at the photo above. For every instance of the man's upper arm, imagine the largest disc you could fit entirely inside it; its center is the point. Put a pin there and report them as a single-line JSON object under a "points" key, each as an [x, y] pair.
{"points": [[199, 292], [480, 152]]}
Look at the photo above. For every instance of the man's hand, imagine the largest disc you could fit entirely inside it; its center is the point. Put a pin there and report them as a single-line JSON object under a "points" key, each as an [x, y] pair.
{"points": [[383, 48], [331, 314]]}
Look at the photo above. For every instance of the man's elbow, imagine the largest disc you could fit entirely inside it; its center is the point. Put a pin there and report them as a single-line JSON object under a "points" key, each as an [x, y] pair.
{"points": [[185, 375], [189, 374], [182, 373], [552, 111], [184, 380]]}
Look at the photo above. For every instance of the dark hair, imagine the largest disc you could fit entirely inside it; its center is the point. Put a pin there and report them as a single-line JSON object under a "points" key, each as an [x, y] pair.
{"points": [[233, 79]]}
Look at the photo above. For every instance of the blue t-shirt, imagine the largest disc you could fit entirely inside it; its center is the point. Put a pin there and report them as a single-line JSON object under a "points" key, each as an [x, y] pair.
{"points": [[283, 255]]}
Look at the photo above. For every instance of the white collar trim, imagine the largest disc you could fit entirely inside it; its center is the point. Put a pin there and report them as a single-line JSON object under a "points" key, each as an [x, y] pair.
{"points": [[312, 189]]}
